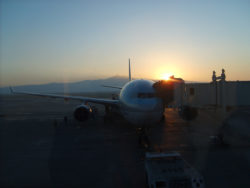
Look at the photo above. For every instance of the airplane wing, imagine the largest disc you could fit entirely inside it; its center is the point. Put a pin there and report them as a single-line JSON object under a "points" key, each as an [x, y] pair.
{"points": [[67, 97]]}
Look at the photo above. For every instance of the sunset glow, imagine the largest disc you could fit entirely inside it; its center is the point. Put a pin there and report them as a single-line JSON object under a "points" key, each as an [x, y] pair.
{"points": [[166, 76], [48, 41]]}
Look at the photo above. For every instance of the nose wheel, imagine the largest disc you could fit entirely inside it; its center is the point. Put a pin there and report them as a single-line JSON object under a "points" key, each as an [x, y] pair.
{"points": [[143, 139]]}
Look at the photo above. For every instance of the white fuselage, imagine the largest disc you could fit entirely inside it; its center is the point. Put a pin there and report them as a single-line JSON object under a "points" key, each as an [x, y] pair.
{"points": [[139, 105]]}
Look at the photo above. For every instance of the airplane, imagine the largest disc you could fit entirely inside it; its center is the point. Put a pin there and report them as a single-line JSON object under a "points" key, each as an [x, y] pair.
{"points": [[137, 103]]}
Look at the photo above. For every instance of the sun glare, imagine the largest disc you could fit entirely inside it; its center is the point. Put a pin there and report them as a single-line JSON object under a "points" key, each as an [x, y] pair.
{"points": [[166, 76]]}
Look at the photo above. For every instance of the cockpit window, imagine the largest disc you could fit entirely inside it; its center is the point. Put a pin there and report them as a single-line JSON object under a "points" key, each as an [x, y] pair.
{"points": [[146, 95]]}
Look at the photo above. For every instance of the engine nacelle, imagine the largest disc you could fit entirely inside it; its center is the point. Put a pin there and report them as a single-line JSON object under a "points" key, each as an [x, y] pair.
{"points": [[188, 113], [82, 112]]}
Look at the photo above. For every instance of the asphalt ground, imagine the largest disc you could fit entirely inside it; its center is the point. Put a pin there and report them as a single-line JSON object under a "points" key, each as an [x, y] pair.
{"points": [[38, 149]]}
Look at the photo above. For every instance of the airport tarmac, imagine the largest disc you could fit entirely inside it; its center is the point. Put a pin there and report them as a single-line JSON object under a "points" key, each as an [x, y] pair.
{"points": [[35, 152]]}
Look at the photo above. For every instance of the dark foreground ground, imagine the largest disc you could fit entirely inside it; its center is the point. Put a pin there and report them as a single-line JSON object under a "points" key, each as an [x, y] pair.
{"points": [[36, 153]]}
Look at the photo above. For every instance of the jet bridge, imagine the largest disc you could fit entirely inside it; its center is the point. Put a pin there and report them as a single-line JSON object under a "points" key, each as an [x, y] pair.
{"points": [[218, 94], [171, 92]]}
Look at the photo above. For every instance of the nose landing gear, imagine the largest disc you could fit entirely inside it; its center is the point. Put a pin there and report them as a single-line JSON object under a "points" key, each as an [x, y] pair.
{"points": [[143, 140]]}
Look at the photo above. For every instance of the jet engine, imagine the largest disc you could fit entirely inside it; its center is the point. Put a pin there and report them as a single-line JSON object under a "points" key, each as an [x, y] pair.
{"points": [[82, 112]]}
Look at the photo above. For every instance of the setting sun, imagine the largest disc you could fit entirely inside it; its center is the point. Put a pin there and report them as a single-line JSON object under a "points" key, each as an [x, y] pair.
{"points": [[166, 76]]}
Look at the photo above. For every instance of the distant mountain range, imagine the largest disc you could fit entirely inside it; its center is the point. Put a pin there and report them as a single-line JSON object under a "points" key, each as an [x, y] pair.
{"points": [[85, 86], [73, 87]]}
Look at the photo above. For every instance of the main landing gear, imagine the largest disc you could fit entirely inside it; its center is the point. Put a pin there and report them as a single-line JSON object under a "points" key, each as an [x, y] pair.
{"points": [[108, 117]]}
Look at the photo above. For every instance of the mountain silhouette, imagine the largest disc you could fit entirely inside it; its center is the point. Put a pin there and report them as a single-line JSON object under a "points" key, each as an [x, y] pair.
{"points": [[73, 87]]}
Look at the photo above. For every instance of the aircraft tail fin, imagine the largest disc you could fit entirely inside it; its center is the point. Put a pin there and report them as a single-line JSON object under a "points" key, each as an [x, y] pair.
{"points": [[129, 70]]}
